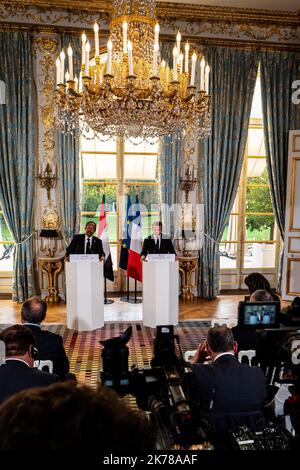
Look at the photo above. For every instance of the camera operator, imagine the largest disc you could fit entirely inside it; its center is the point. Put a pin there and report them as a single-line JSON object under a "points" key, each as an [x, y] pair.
{"points": [[227, 389], [286, 403]]}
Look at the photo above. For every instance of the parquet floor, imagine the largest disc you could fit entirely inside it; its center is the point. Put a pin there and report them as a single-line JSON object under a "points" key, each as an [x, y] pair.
{"points": [[224, 308]]}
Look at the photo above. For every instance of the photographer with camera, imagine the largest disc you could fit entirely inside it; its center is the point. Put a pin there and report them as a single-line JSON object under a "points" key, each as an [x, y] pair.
{"points": [[229, 392]]}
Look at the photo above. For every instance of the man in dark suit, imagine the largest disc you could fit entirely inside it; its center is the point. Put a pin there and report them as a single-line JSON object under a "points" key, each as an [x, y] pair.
{"points": [[87, 243], [157, 242], [50, 345], [226, 386], [18, 372]]}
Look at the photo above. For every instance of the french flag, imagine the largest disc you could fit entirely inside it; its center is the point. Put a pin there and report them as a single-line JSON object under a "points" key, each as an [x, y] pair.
{"points": [[134, 266], [103, 235]]}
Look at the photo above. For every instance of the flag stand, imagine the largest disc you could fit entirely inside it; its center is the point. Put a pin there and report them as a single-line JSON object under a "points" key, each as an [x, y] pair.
{"points": [[106, 300], [132, 300]]}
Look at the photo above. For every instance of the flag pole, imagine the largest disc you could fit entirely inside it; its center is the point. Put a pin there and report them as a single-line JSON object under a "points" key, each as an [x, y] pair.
{"points": [[106, 300]]}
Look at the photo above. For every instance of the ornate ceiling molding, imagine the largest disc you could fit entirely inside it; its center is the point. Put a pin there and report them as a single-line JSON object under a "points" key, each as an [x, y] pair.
{"points": [[172, 10]]}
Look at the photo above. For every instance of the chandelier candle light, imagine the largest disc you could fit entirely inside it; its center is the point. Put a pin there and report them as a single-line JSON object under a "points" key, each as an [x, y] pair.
{"points": [[133, 93]]}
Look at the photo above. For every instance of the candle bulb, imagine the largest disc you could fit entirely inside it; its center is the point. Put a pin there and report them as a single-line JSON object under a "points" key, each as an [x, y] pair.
{"points": [[70, 56], [108, 63], [87, 58], [62, 67], [206, 80], [156, 33], [96, 31], [83, 39], [76, 83], [129, 48], [67, 76], [202, 67], [186, 62], [194, 58], [57, 70], [181, 62], [125, 27], [80, 83], [175, 53], [178, 40], [155, 55]]}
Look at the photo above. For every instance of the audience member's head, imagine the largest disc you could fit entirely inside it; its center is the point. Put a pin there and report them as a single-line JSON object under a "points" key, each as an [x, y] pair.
{"points": [[69, 417], [256, 281], [220, 340], [19, 342], [33, 310], [261, 295]]}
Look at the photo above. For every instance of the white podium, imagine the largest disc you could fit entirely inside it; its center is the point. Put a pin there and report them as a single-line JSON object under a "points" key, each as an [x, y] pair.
{"points": [[160, 293], [84, 295]]}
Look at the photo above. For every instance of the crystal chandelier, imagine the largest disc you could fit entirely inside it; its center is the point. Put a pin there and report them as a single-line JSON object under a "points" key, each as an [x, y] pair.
{"points": [[133, 93]]}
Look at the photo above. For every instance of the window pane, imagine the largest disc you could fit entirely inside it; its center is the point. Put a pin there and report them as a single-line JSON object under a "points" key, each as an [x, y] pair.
{"points": [[258, 198], [260, 227], [259, 255], [6, 256], [6, 249], [96, 145], [140, 167], [231, 229], [135, 145], [257, 169], [91, 204], [98, 166], [256, 109], [256, 144], [148, 195], [149, 199], [228, 255]]}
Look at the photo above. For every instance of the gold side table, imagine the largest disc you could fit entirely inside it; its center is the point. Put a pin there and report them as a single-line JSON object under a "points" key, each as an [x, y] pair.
{"points": [[188, 265], [51, 267]]}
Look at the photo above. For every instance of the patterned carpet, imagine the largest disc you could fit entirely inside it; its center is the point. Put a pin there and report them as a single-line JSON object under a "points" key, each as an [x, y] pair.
{"points": [[84, 350]]}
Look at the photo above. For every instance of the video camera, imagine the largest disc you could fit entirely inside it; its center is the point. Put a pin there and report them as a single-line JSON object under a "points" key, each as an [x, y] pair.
{"points": [[166, 389]]}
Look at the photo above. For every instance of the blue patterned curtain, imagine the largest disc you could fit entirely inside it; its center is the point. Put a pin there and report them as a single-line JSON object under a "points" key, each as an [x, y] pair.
{"points": [[278, 71], [68, 159], [170, 166], [232, 81], [170, 163], [18, 138]]}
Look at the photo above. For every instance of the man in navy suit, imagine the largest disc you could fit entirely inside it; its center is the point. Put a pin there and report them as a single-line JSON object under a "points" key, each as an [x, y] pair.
{"points": [[18, 372], [50, 345], [87, 243], [225, 386], [157, 242]]}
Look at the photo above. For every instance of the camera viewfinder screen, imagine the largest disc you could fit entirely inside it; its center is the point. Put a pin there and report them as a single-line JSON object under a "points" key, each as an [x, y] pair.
{"points": [[260, 314]]}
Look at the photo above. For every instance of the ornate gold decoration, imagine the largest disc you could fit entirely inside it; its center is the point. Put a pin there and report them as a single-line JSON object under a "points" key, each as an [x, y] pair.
{"points": [[50, 218], [187, 267], [51, 268], [240, 23], [48, 180], [45, 44], [133, 94], [167, 9]]}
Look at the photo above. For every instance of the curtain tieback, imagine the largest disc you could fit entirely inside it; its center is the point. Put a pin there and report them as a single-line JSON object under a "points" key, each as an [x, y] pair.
{"points": [[24, 241]]}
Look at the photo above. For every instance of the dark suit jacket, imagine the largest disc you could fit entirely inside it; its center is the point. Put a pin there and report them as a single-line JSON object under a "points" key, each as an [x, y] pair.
{"points": [[16, 376], [233, 387], [50, 346], [77, 247], [149, 247]]}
